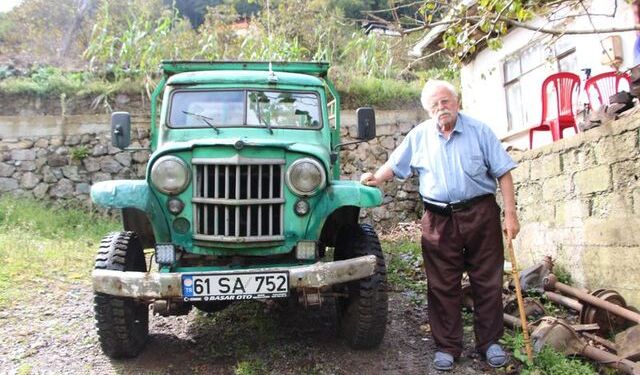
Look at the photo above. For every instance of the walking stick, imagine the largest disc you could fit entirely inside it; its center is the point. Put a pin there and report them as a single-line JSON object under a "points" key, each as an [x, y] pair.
{"points": [[523, 315]]}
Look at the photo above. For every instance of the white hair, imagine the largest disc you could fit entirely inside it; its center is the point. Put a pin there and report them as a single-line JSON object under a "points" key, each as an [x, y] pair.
{"points": [[431, 86]]}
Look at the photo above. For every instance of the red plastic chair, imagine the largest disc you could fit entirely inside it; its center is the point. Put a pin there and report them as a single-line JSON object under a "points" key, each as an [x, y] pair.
{"points": [[600, 87], [565, 85]]}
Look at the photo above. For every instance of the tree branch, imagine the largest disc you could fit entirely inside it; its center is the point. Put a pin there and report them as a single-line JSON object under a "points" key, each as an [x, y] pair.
{"points": [[544, 30]]}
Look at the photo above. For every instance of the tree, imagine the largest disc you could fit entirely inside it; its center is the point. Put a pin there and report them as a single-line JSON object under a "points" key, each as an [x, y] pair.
{"points": [[83, 9], [38, 33], [470, 24]]}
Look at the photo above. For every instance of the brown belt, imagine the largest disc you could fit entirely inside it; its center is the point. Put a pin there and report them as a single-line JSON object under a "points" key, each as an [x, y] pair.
{"points": [[448, 208]]}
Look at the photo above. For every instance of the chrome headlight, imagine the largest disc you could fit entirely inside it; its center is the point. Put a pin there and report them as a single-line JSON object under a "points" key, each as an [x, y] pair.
{"points": [[170, 175], [305, 176]]}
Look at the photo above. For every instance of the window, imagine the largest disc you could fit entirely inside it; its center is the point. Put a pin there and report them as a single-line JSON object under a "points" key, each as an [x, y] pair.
{"points": [[203, 108], [523, 76], [282, 109]]}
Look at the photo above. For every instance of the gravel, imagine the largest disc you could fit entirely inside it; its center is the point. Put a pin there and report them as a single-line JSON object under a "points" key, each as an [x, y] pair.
{"points": [[54, 333]]}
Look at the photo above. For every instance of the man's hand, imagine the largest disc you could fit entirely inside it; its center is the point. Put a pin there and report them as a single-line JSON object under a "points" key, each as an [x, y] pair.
{"points": [[511, 225], [383, 174], [368, 179]]}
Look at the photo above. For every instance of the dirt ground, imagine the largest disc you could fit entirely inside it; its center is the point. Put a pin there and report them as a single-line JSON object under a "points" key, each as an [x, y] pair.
{"points": [[55, 334]]}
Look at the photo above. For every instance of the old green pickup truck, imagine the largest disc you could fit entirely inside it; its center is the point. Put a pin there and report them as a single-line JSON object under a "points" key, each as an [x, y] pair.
{"points": [[242, 200]]}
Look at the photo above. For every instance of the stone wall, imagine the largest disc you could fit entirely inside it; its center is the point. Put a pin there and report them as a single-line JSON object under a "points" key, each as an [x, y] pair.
{"points": [[579, 201], [60, 156], [64, 167]]}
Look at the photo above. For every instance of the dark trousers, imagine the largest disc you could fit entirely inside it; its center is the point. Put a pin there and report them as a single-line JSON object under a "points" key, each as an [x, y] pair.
{"points": [[468, 240]]}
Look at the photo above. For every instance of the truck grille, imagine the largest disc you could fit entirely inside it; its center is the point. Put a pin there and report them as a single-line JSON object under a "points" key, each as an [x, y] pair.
{"points": [[238, 200]]}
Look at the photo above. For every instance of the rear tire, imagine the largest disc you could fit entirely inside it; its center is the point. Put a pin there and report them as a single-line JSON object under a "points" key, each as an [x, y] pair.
{"points": [[123, 323], [362, 316]]}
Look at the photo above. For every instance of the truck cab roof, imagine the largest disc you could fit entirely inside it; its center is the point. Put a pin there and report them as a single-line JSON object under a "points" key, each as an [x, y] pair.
{"points": [[244, 77]]}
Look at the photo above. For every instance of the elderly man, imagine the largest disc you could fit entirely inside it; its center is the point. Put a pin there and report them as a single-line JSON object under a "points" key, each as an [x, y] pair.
{"points": [[458, 160]]}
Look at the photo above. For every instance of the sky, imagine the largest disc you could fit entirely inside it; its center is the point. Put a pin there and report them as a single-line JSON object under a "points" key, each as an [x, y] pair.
{"points": [[7, 5]]}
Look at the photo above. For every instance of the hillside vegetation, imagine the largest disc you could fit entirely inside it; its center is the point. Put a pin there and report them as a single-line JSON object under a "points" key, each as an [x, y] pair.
{"points": [[99, 47]]}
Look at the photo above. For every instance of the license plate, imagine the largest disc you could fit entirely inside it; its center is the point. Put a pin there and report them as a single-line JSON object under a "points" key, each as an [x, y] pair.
{"points": [[236, 286]]}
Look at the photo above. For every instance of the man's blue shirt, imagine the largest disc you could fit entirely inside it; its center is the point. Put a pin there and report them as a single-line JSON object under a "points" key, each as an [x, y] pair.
{"points": [[462, 167]]}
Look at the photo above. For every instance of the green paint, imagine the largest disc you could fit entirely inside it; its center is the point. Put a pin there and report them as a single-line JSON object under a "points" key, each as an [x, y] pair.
{"points": [[240, 142]]}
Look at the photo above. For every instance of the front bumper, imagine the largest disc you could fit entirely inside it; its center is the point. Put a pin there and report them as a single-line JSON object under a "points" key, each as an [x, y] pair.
{"points": [[155, 285]]}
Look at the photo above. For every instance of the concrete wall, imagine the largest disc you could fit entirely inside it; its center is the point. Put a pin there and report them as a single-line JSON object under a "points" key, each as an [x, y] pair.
{"points": [[578, 199]]}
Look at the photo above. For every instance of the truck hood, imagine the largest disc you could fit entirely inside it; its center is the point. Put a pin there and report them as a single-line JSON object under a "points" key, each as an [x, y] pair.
{"points": [[320, 152]]}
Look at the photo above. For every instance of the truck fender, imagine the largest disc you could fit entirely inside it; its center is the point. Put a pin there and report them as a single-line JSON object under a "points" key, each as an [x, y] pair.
{"points": [[340, 206], [133, 195]]}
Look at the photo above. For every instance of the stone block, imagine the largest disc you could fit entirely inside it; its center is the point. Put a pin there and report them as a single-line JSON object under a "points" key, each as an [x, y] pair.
{"points": [[6, 170], [636, 201], [100, 176], [55, 160], [546, 166], [109, 165], [618, 147], [529, 194], [613, 267], [91, 164], [29, 180], [56, 141], [99, 150], [62, 150], [124, 158], [40, 191], [22, 144], [592, 180], [8, 184], [22, 154], [533, 242], [48, 175], [71, 172], [42, 143], [538, 213], [72, 140], [388, 142], [521, 173], [577, 159], [83, 188], [556, 188], [626, 174], [614, 204], [62, 189], [405, 127], [140, 156], [26, 165], [572, 213], [612, 231]]}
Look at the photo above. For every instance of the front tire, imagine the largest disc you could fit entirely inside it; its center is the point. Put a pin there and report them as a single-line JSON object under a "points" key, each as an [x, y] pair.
{"points": [[123, 323], [362, 315]]}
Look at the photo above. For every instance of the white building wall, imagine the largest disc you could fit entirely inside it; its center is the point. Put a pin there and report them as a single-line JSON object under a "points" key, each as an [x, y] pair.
{"points": [[482, 80]]}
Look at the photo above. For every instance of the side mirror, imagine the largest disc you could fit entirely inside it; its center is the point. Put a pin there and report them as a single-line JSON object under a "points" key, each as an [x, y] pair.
{"points": [[366, 123], [120, 129]]}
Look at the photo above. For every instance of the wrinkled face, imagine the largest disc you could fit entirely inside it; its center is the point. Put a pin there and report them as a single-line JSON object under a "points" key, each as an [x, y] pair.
{"points": [[443, 106]]}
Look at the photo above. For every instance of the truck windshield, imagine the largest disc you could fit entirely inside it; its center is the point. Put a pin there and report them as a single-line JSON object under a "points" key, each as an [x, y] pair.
{"points": [[270, 109]]}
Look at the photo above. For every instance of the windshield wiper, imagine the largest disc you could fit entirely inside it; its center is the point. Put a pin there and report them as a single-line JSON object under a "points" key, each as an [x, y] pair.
{"points": [[205, 119]]}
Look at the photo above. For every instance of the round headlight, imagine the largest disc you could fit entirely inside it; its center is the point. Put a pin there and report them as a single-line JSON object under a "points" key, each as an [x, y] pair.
{"points": [[305, 176], [170, 175]]}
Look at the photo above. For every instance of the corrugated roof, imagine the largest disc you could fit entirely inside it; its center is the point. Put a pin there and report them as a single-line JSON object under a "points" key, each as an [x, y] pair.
{"points": [[435, 32]]}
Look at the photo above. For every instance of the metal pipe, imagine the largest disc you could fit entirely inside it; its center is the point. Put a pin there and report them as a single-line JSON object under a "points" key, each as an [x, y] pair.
{"points": [[602, 341], [564, 301], [551, 282], [606, 358], [513, 322]]}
